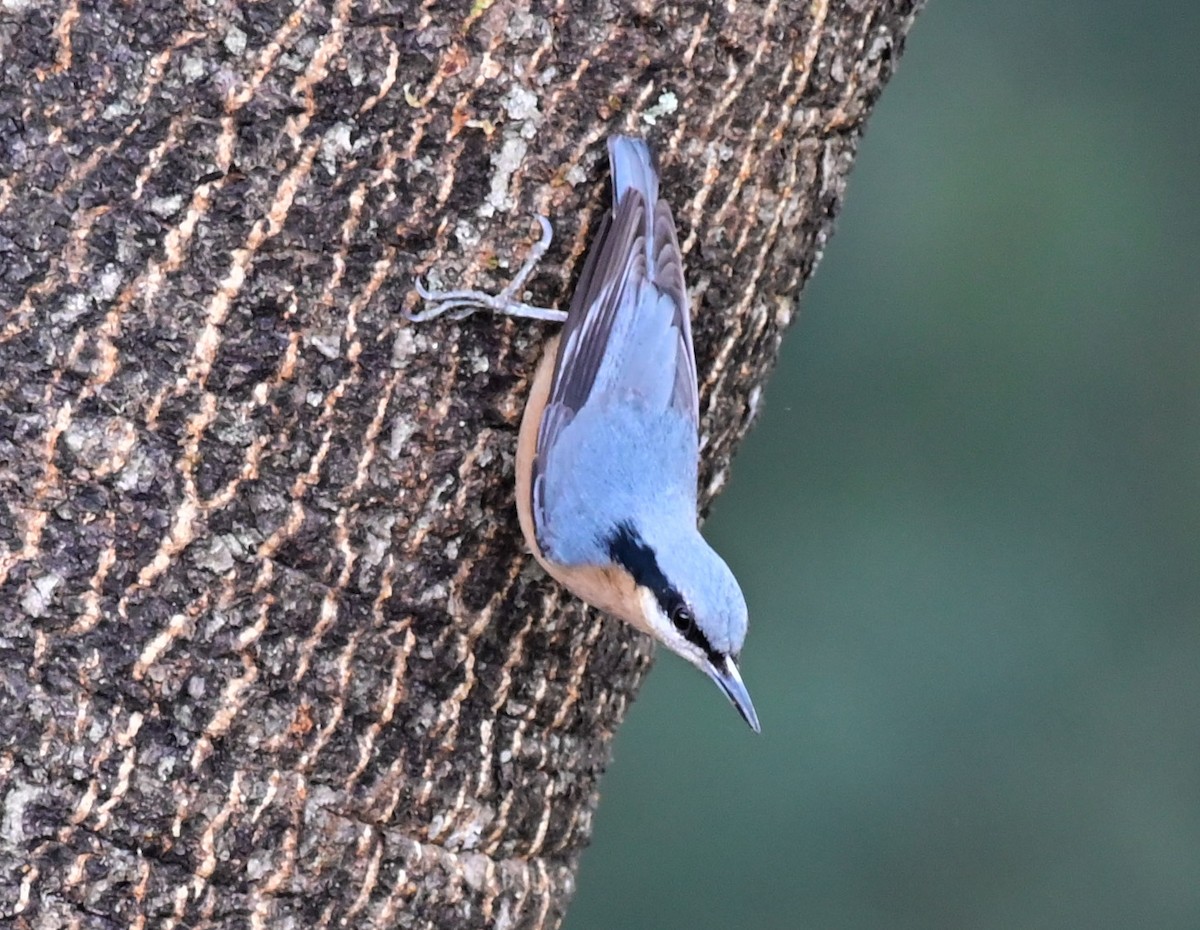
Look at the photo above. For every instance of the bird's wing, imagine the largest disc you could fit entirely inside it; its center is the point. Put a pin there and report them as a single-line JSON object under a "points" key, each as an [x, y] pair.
{"points": [[667, 277], [629, 328]]}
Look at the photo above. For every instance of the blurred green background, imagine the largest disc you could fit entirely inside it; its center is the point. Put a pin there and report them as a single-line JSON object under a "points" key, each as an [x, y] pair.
{"points": [[967, 524]]}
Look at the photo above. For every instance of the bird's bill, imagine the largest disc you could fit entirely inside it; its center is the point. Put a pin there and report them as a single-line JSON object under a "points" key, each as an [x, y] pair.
{"points": [[726, 675]]}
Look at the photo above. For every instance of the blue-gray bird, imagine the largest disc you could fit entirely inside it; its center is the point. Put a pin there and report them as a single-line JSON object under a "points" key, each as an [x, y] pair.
{"points": [[609, 444]]}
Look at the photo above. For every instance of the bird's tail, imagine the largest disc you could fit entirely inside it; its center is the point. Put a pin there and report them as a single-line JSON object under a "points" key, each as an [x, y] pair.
{"points": [[632, 168]]}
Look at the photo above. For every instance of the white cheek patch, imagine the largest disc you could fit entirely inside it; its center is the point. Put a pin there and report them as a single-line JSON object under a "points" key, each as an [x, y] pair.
{"points": [[652, 616], [658, 625]]}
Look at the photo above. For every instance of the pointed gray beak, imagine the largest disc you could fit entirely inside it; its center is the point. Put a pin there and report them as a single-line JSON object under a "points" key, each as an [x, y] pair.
{"points": [[730, 680]]}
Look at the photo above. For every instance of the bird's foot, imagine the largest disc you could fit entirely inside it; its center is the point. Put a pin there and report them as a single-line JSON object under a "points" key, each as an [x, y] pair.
{"points": [[462, 303]]}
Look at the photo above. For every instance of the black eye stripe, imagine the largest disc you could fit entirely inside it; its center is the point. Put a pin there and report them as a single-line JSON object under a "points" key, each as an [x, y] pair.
{"points": [[627, 549]]}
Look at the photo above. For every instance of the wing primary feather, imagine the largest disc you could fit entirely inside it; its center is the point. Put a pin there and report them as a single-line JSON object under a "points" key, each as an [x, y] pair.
{"points": [[668, 278], [594, 307]]}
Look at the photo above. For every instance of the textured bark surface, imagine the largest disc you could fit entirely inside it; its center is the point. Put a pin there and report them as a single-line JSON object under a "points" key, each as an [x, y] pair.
{"points": [[271, 650]]}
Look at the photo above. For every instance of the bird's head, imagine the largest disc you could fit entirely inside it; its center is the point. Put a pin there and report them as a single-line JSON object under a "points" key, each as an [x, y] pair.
{"points": [[688, 599]]}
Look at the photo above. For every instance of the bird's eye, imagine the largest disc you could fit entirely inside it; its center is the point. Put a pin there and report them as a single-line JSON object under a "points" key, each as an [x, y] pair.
{"points": [[683, 620]]}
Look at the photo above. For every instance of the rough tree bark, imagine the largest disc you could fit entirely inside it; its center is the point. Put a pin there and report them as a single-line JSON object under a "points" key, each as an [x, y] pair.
{"points": [[271, 650]]}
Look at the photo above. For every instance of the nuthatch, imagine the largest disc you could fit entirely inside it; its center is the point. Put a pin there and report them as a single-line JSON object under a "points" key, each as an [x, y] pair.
{"points": [[609, 445]]}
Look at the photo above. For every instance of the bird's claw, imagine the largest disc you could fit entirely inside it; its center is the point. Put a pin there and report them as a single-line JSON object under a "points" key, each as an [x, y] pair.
{"points": [[462, 303]]}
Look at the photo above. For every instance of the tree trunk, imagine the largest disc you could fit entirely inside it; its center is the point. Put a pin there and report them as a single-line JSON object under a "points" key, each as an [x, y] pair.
{"points": [[272, 652]]}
